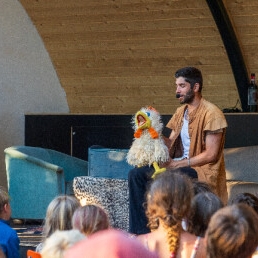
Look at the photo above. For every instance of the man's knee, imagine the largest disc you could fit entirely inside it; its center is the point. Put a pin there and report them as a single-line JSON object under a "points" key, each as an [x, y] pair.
{"points": [[133, 172], [134, 176], [189, 172], [140, 173]]}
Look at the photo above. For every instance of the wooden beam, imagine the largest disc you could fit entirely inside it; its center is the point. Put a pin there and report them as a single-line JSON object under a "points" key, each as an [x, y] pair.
{"points": [[232, 47]]}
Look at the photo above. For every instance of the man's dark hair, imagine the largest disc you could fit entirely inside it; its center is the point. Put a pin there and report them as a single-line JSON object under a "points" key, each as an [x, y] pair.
{"points": [[191, 75]]}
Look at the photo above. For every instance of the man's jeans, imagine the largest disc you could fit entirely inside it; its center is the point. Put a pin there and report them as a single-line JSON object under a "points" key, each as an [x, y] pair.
{"points": [[139, 180]]}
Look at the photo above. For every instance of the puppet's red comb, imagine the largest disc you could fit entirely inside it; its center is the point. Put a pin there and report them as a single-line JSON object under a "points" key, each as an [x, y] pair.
{"points": [[152, 108]]}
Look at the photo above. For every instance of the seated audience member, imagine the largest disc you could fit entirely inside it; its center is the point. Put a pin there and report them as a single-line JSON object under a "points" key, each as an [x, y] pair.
{"points": [[56, 245], [232, 232], [89, 219], [110, 243], [203, 206], [9, 240], [168, 204], [59, 216], [247, 198]]}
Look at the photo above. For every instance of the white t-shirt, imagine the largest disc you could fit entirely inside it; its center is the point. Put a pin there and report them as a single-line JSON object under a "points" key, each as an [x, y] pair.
{"points": [[185, 136]]}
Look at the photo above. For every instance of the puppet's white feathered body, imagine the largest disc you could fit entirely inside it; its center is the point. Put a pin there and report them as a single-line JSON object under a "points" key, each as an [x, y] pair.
{"points": [[148, 147]]}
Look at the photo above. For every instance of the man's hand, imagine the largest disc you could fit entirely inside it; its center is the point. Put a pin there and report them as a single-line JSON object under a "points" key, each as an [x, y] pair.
{"points": [[175, 163]]}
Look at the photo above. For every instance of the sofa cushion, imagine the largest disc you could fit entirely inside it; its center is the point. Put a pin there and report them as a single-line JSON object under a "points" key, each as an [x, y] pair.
{"points": [[109, 163], [242, 163]]}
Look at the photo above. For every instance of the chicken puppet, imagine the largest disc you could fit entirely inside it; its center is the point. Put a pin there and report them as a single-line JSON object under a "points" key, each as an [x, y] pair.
{"points": [[148, 147]]}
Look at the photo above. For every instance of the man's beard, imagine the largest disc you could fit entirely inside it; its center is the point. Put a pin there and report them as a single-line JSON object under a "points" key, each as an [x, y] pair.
{"points": [[188, 98]]}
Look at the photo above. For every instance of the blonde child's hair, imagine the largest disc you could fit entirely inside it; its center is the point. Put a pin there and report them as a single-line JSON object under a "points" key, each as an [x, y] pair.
{"points": [[59, 214], [56, 245]]}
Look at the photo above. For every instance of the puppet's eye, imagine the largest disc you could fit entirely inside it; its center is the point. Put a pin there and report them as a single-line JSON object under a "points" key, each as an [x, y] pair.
{"points": [[148, 114]]}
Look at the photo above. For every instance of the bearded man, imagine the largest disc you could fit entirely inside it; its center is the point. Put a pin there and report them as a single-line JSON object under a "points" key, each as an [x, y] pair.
{"points": [[195, 145]]}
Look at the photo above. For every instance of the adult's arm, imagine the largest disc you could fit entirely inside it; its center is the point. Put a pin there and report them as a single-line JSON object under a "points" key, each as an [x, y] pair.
{"points": [[209, 155], [13, 246]]}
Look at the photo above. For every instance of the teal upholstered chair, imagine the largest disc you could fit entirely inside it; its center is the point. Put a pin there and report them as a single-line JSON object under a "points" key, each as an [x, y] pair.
{"points": [[36, 175]]}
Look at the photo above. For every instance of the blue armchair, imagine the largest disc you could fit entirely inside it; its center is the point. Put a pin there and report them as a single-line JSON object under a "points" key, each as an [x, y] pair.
{"points": [[36, 175]]}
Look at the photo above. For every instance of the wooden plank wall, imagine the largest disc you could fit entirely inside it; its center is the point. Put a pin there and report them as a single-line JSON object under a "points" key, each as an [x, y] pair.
{"points": [[244, 16], [115, 56]]}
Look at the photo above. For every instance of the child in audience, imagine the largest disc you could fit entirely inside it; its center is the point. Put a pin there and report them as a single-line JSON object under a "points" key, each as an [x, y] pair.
{"points": [[232, 232], [168, 203], [247, 198], [203, 206], [56, 245], [200, 186], [9, 241], [90, 219], [110, 243], [59, 216]]}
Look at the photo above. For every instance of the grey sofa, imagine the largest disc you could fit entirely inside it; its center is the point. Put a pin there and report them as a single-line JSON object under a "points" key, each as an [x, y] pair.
{"points": [[241, 170]]}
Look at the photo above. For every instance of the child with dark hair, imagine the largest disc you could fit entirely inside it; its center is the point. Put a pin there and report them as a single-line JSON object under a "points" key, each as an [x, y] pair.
{"points": [[247, 198], [200, 186], [232, 232], [203, 206], [251, 200], [9, 241]]}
